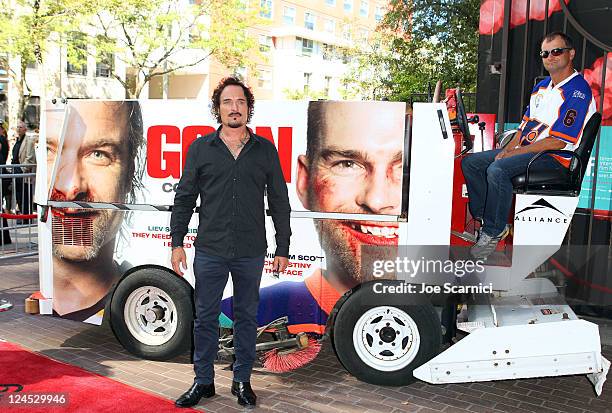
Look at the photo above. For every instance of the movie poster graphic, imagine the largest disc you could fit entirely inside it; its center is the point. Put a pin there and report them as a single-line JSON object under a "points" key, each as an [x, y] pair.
{"points": [[114, 166]]}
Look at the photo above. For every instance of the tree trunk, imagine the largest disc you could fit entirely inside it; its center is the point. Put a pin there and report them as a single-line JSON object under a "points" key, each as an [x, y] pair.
{"points": [[23, 98], [17, 103]]}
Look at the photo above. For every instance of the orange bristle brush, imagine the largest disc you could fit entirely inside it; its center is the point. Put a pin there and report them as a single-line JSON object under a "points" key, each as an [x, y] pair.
{"points": [[282, 361]]}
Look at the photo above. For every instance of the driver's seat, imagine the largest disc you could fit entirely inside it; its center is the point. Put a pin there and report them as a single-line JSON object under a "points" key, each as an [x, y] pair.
{"points": [[568, 181]]}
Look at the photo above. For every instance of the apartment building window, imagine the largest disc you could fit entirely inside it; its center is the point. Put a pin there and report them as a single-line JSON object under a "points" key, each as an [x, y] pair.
{"points": [[330, 26], [264, 80], [105, 60], [328, 51], [346, 57], [378, 14], [77, 52], [348, 6], [346, 32], [363, 8], [309, 21], [364, 34], [266, 9], [307, 77], [305, 45], [32, 112], [330, 2], [327, 85], [105, 65], [265, 43], [289, 15]]}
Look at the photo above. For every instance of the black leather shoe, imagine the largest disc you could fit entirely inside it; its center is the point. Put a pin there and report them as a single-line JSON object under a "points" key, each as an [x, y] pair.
{"points": [[192, 396], [244, 392]]}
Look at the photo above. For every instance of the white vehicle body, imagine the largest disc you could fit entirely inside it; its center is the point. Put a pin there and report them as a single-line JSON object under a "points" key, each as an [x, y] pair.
{"points": [[510, 336]]}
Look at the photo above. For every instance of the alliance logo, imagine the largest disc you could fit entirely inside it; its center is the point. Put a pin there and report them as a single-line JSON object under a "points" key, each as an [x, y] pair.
{"points": [[545, 212]]}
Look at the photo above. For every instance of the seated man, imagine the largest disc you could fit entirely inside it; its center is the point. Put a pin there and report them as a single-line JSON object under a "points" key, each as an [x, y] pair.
{"points": [[558, 109]]}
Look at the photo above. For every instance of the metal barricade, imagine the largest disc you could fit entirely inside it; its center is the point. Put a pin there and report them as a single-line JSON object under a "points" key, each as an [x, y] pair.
{"points": [[18, 219]]}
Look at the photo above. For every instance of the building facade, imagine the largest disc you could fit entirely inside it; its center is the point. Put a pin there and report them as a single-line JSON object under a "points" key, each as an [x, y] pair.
{"points": [[301, 46], [301, 54]]}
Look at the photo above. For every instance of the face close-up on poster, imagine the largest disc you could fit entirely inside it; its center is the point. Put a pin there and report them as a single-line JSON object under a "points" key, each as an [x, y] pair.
{"points": [[95, 161]]}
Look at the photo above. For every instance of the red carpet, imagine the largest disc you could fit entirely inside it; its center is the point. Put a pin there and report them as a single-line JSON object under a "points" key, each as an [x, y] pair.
{"points": [[87, 392]]}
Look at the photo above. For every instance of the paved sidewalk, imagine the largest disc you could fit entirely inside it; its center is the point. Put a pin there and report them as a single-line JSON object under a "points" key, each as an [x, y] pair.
{"points": [[321, 386]]}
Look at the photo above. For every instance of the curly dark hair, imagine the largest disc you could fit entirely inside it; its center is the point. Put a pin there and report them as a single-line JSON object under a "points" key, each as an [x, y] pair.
{"points": [[231, 81], [135, 142]]}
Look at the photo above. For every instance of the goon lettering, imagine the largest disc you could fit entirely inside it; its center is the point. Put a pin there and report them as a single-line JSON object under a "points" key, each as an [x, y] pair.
{"points": [[166, 163]]}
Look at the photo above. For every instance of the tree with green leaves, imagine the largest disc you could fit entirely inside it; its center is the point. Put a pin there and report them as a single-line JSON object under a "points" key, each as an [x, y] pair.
{"points": [[158, 37], [417, 43], [27, 28]]}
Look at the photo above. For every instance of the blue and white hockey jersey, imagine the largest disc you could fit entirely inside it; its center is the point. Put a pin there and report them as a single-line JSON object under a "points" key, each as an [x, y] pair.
{"points": [[558, 111]]}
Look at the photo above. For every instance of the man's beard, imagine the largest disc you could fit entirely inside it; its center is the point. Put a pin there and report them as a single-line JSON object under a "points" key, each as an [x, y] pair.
{"points": [[82, 231], [351, 259], [339, 253], [235, 123]]}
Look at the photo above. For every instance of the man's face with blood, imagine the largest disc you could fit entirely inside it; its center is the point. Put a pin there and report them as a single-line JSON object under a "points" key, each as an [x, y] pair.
{"points": [[357, 169], [92, 168]]}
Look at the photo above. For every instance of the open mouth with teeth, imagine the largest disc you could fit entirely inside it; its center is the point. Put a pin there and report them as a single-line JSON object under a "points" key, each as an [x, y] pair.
{"points": [[374, 233], [72, 226]]}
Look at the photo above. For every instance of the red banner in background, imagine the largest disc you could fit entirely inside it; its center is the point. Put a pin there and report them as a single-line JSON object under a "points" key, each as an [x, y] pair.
{"points": [[593, 76], [492, 13]]}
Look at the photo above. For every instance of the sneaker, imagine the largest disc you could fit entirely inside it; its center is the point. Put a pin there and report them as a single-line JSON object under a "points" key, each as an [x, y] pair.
{"points": [[486, 244], [5, 305]]}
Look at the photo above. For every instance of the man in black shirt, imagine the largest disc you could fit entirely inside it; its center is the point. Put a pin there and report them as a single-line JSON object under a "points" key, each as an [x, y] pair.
{"points": [[4, 146], [5, 236], [229, 169]]}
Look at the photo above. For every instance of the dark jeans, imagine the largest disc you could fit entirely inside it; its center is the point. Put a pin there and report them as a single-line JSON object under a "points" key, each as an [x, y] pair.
{"points": [[489, 184], [5, 235], [211, 274], [23, 193]]}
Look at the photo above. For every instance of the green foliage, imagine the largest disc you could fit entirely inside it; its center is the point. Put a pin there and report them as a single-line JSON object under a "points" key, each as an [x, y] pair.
{"points": [[26, 25], [417, 43], [157, 37], [152, 37], [299, 94], [26, 31]]}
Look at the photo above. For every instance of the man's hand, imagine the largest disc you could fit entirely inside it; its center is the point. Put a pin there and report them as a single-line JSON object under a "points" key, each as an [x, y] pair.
{"points": [[178, 258], [506, 153], [280, 264]]}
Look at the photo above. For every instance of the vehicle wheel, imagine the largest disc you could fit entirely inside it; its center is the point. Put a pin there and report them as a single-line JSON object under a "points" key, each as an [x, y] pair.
{"points": [[380, 339], [152, 314]]}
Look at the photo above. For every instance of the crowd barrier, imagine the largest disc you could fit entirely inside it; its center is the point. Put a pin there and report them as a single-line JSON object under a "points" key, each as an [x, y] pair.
{"points": [[18, 219]]}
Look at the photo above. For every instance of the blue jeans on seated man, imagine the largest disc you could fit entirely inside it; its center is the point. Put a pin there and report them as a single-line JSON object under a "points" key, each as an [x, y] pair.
{"points": [[211, 275], [489, 184]]}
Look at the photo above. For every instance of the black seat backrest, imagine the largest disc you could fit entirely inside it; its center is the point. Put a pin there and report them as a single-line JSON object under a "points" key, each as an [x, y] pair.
{"points": [[583, 151]]}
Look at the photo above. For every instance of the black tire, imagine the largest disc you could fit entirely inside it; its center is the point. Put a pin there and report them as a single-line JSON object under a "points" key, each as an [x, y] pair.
{"points": [[181, 295], [420, 310]]}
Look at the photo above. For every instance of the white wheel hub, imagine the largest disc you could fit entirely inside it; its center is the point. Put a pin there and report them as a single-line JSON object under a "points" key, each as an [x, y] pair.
{"points": [[386, 338], [150, 315]]}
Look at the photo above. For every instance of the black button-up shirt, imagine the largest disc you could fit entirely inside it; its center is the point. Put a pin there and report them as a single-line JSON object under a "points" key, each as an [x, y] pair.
{"points": [[232, 216]]}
